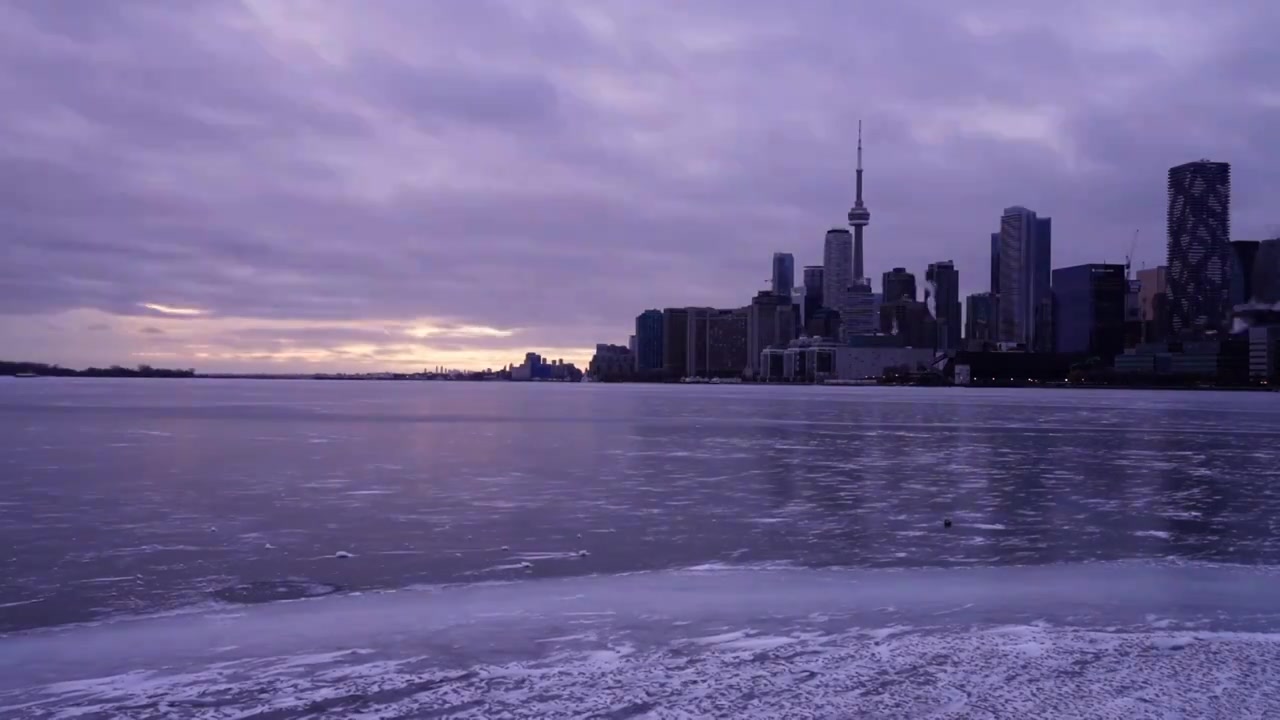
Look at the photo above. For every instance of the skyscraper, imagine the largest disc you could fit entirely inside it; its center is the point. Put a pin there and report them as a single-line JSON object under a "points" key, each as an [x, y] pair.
{"points": [[942, 296], [1024, 305], [1199, 251], [837, 268], [859, 215], [1090, 300], [649, 341], [784, 273], [898, 284]]}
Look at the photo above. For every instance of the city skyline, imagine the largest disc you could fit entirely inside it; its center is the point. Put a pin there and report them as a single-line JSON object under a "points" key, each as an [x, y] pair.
{"points": [[255, 188]]}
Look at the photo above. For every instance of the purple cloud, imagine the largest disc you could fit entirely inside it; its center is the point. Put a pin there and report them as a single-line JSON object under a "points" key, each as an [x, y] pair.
{"points": [[549, 170]]}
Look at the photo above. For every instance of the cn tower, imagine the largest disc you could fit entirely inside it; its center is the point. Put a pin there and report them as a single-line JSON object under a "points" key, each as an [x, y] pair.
{"points": [[859, 216]]}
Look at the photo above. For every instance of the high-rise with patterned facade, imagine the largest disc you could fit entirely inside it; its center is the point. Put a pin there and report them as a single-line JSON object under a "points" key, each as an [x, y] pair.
{"points": [[1199, 248]]}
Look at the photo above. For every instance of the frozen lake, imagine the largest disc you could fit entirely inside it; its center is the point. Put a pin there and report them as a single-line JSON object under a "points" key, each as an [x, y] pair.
{"points": [[635, 551]]}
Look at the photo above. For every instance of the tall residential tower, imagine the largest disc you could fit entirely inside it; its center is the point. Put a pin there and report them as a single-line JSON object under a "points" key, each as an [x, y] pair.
{"points": [[1199, 224], [1025, 304]]}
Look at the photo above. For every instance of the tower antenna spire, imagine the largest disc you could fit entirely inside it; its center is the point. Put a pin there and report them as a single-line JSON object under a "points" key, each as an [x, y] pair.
{"points": [[859, 145]]}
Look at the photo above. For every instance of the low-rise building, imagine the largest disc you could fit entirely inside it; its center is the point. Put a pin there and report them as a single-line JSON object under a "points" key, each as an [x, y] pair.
{"points": [[1264, 354]]}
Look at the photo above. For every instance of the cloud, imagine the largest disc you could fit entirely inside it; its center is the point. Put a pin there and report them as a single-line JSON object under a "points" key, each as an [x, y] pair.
{"points": [[420, 178], [171, 310]]}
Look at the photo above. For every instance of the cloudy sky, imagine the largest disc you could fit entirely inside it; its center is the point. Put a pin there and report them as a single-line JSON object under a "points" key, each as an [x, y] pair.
{"points": [[291, 185]]}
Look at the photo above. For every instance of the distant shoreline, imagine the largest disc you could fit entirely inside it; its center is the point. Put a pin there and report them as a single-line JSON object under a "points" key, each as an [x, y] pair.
{"points": [[1011, 386]]}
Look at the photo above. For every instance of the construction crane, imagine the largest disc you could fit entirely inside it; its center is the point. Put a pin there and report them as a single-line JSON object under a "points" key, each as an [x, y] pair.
{"points": [[1128, 258]]}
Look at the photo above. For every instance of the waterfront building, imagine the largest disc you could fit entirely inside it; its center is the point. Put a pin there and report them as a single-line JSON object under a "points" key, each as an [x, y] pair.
{"points": [[717, 342], [675, 332], [649, 341], [612, 363]]}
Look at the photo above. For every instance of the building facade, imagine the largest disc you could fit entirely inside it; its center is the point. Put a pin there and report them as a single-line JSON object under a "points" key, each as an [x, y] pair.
{"points": [[1240, 271], [769, 324], [859, 314], [825, 323], [1265, 282], [1264, 354], [717, 342], [813, 298], [612, 363], [783, 277], [942, 296], [1199, 248], [1153, 303], [837, 268], [980, 318], [910, 322], [995, 263], [1090, 302], [675, 333], [1024, 304], [898, 284], [649, 341]]}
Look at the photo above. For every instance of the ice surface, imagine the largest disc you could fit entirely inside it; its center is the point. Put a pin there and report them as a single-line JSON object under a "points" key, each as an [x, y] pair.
{"points": [[1126, 640]]}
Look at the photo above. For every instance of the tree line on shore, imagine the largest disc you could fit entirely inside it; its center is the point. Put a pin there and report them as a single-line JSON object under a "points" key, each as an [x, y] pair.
{"points": [[46, 370]]}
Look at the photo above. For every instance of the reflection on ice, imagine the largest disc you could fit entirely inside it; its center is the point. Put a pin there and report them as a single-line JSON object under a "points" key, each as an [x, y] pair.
{"points": [[1108, 640]]}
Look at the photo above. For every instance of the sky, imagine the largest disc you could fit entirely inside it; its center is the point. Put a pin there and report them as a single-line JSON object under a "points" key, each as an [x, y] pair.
{"points": [[361, 185]]}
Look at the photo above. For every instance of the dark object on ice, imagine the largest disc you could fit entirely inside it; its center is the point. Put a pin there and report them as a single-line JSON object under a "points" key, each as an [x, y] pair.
{"points": [[274, 590], [946, 522]]}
